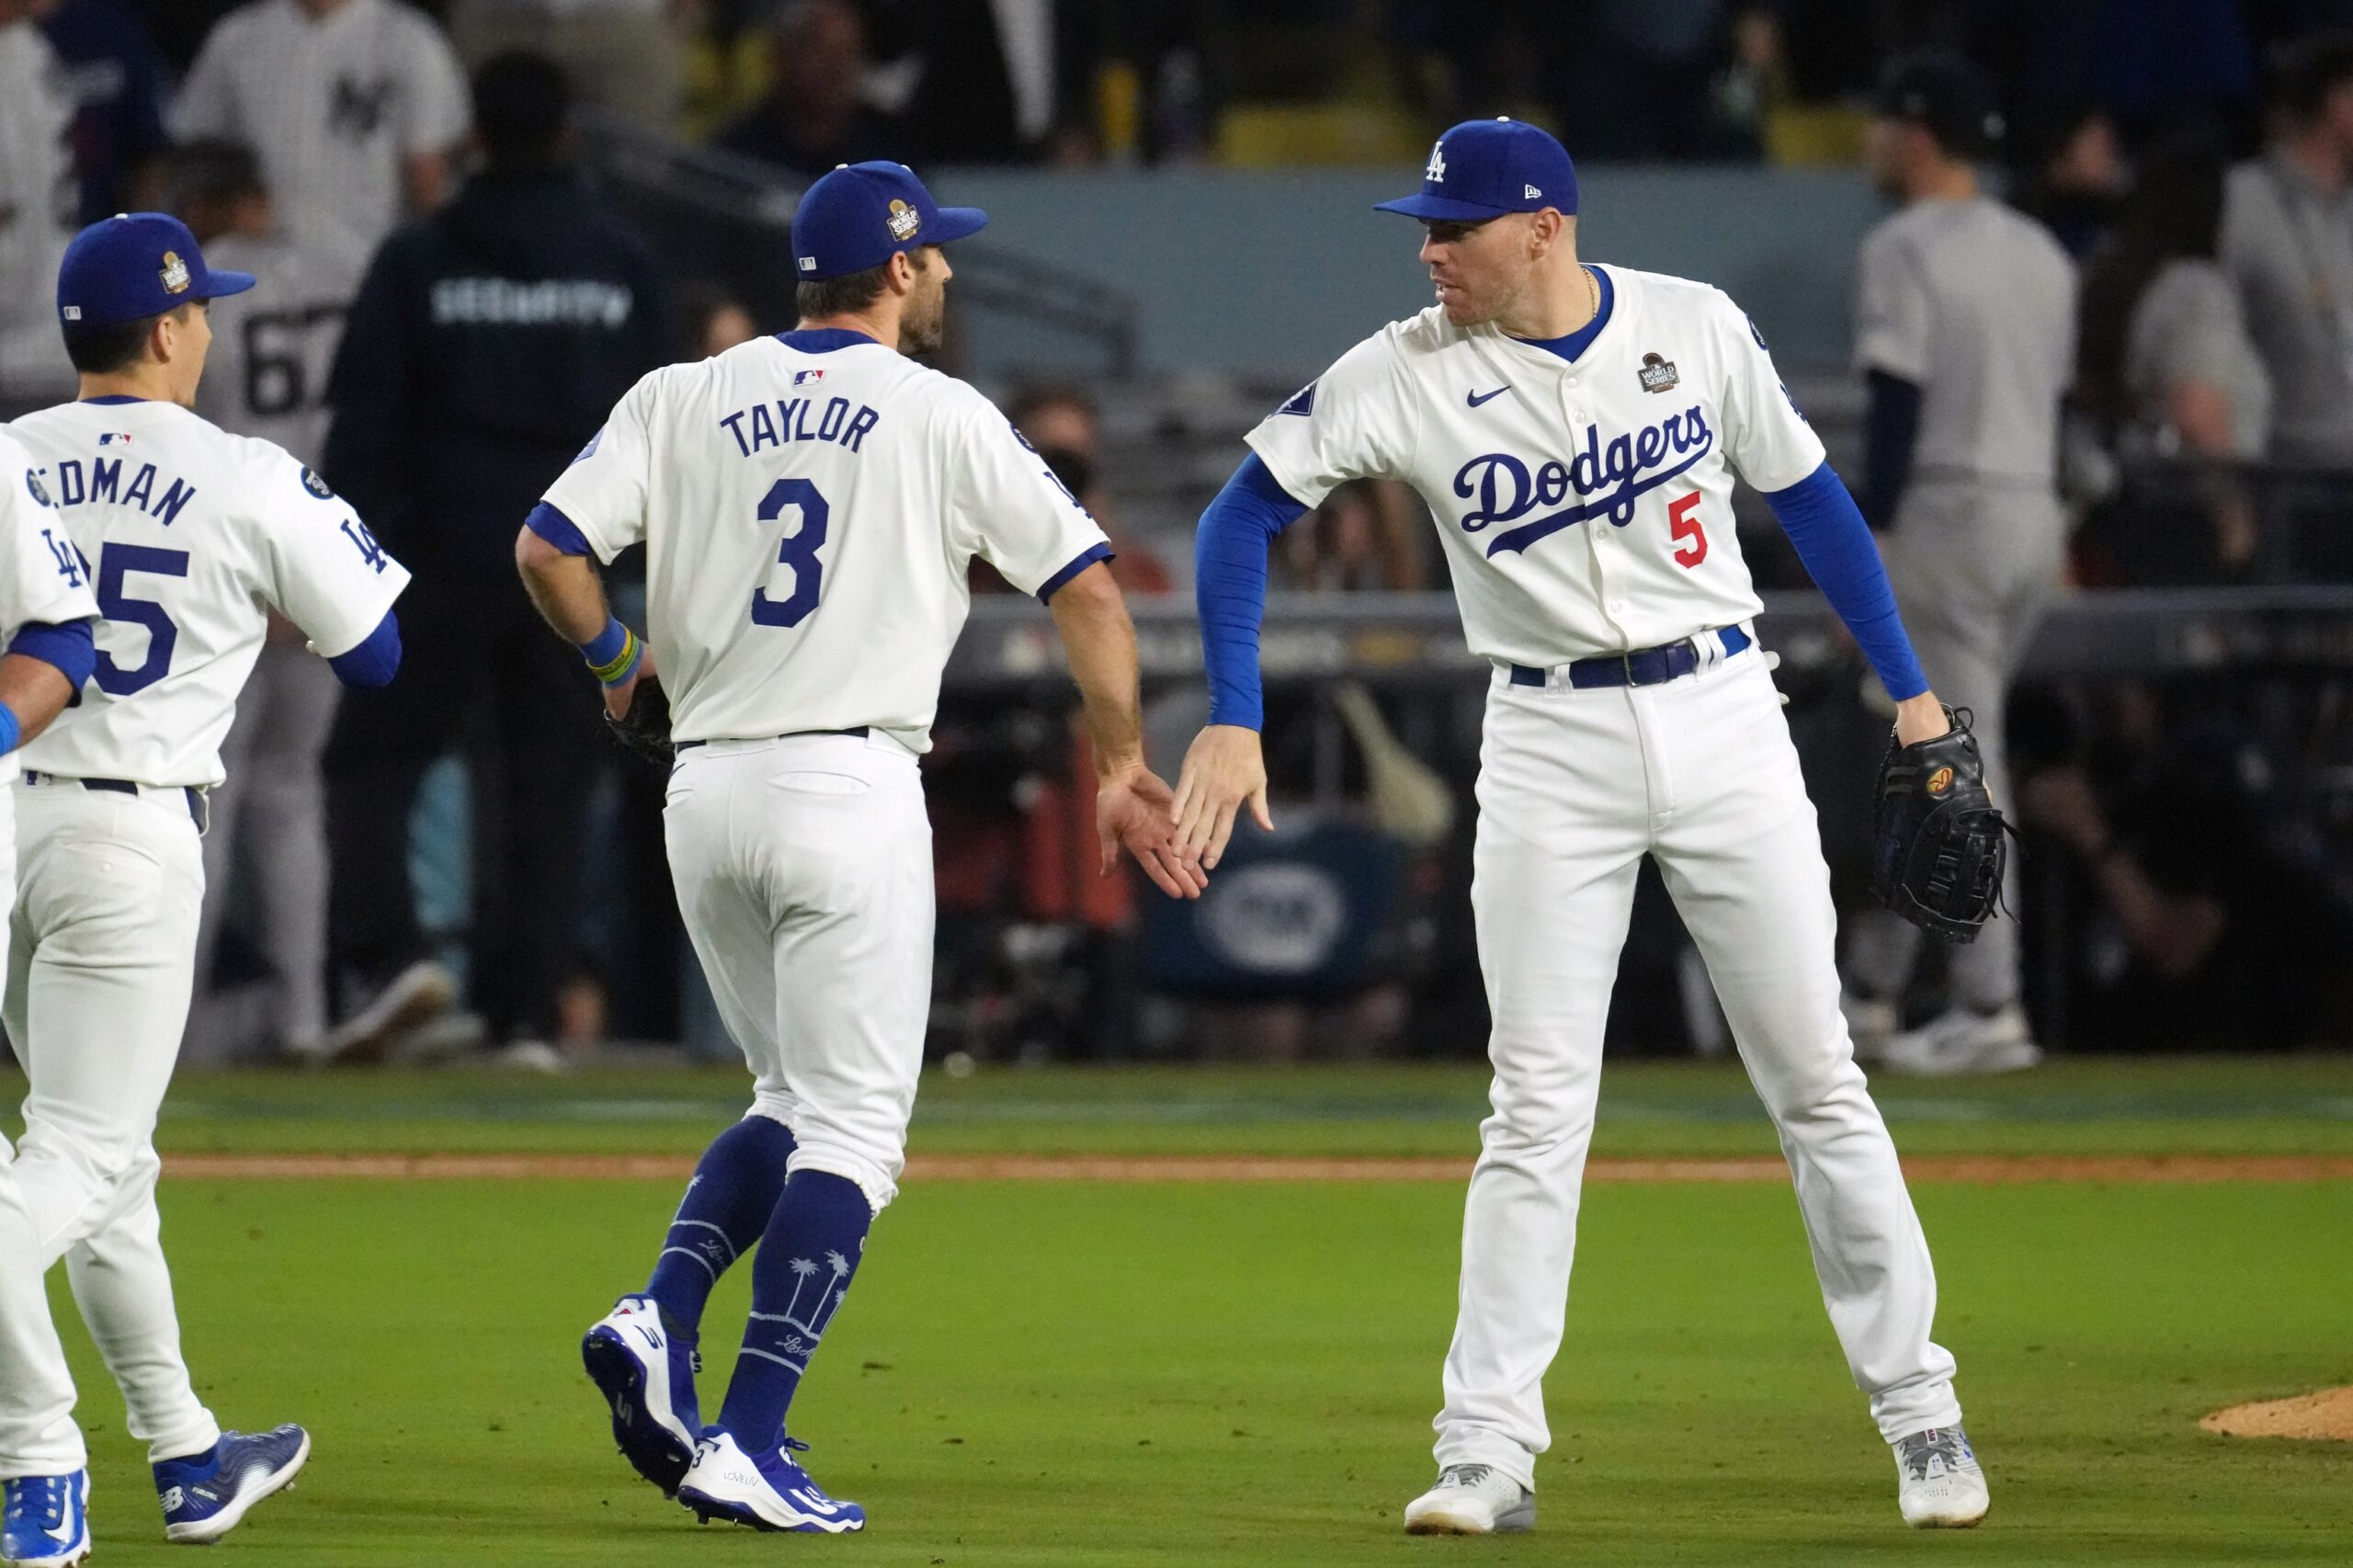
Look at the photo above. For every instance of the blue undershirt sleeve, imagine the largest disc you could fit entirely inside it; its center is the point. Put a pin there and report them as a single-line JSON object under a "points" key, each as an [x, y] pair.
{"points": [[70, 647], [1891, 430], [1842, 557], [373, 662], [557, 529], [1230, 586]]}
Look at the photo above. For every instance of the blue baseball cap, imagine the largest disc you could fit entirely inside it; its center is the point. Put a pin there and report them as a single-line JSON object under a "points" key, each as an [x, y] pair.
{"points": [[861, 214], [1484, 169], [135, 265]]}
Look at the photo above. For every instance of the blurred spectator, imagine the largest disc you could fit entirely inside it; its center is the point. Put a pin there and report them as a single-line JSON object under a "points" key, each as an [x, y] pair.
{"points": [[714, 321], [1367, 535], [1059, 422], [36, 213], [116, 81], [1965, 328], [623, 56], [982, 81], [2288, 243], [2215, 926], [2165, 366], [815, 115], [266, 851], [485, 351], [354, 106], [2076, 179]]}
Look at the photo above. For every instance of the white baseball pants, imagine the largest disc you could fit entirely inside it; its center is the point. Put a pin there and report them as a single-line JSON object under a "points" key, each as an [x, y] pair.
{"points": [[38, 1436], [1575, 788], [803, 870], [103, 948]]}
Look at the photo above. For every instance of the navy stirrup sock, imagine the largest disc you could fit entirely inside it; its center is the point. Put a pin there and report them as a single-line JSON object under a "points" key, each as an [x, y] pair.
{"points": [[727, 1206], [803, 1271]]}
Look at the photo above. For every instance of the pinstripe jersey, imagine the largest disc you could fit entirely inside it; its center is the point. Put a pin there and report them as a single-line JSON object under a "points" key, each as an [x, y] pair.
{"points": [[333, 105]]}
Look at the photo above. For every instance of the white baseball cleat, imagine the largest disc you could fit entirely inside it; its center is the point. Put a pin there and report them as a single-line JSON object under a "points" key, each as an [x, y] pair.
{"points": [[1471, 1499], [1940, 1485], [767, 1492], [418, 995], [1959, 1042]]}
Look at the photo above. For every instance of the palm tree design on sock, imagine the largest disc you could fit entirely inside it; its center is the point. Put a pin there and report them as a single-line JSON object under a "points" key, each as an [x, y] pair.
{"points": [[807, 1329]]}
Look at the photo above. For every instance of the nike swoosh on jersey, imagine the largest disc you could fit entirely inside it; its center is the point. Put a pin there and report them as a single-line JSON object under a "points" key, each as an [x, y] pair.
{"points": [[1475, 399]]}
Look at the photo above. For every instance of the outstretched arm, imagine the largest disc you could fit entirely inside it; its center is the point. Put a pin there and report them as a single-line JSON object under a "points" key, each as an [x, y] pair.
{"points": [[1226, 766], [1132, 806]]}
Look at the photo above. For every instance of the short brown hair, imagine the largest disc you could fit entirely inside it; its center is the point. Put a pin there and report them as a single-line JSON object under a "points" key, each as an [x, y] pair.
{"points": [[840, 296], [105, 350]]}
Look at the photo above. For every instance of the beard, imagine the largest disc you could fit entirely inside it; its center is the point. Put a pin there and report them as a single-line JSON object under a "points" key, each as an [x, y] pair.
{"points": [[924, 326]]}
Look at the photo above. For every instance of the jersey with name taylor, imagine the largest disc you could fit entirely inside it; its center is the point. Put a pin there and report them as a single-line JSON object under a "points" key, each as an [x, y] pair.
{"points": [[1585, 505], [188, 536], [42, 578], [809, 513]]}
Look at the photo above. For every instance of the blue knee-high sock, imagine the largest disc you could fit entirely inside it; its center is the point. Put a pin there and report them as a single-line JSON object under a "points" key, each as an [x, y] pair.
{"points": [[806, 1259], [726, 1208]]}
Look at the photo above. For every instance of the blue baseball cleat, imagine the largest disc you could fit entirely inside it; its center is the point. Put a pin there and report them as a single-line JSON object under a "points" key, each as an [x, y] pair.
{"points": [[45, 1521], [205, 1495], [647, 1375], [767, 1492]]}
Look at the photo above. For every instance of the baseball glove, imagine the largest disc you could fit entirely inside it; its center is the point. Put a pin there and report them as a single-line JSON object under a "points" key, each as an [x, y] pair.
{"points": [[646, 728], [1938, 850]]}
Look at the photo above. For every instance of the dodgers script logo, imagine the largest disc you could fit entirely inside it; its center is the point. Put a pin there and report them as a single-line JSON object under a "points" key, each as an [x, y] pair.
{"points": [[1607, 480]]}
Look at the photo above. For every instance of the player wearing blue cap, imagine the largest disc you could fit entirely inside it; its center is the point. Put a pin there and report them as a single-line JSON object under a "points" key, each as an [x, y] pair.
{"points": [[1575, 430], [189, 536], [810, 504]]}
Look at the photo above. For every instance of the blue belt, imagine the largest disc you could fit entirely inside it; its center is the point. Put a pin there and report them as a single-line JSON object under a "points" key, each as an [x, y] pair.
{"points": [[1641, 667], [125, 787]]}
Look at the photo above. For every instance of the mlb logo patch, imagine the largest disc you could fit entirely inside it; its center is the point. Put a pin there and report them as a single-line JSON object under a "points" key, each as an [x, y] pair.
{"points": [[802, 378], [114, 438]]}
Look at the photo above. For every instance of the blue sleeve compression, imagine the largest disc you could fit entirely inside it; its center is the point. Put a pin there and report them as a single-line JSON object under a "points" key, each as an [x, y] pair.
{"points": [[71, 647], [373, 662], [1835, 544], [1230, 586], [1891, 430], [557, 529]]}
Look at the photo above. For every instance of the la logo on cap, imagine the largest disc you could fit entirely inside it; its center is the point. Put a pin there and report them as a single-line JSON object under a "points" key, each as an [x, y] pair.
{"points": [[174, 273], [1436, 172]]}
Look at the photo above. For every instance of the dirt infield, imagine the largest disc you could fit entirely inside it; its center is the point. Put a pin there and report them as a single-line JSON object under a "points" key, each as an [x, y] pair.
{"points": [[1973, 1169], [2326, 1414]]}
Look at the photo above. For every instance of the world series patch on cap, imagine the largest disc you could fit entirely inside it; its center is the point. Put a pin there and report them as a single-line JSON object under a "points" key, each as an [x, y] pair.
{"points": [[1484, 169], [862, 214], [136, 265]]}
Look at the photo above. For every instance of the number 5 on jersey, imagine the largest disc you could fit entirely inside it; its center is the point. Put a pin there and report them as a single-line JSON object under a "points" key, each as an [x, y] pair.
{"points": [[1690, 539], [796, 553]]}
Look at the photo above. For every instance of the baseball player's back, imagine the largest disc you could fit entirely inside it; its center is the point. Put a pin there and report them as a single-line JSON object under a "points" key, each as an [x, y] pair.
{"points": [[1975, 303], [809, 504]]}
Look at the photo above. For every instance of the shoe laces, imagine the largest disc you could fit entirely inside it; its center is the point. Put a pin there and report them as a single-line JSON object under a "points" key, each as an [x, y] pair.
{"points": [[1465, 1475], [1923, 1452], [40, 1499]]}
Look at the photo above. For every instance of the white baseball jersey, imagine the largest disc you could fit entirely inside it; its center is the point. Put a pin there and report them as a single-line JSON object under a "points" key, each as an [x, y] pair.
{"points": [[334, 106], [808, 515], [189, 536], [41, 577], [1585, 505], [274, 344]]}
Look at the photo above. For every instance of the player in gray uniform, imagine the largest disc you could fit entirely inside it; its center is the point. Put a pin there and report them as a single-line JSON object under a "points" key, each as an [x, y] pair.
{"points": [[1965, 329], [267, 376]]}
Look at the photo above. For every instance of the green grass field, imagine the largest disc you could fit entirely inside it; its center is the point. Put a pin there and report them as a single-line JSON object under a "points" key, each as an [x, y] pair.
{"points": [[1115, 1374]]}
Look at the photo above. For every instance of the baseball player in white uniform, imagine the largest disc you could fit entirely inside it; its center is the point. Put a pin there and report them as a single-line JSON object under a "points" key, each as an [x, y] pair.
{"points": [[810, 504], [46, 617], [1576, 431], [185, 534]]}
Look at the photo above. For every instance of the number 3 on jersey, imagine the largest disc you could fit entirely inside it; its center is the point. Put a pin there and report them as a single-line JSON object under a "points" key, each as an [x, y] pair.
{"points": [[796, 552]]}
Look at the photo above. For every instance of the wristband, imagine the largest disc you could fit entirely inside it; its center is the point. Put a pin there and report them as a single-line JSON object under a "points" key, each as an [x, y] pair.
{"points": [[10, 729], [613, 653]]}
